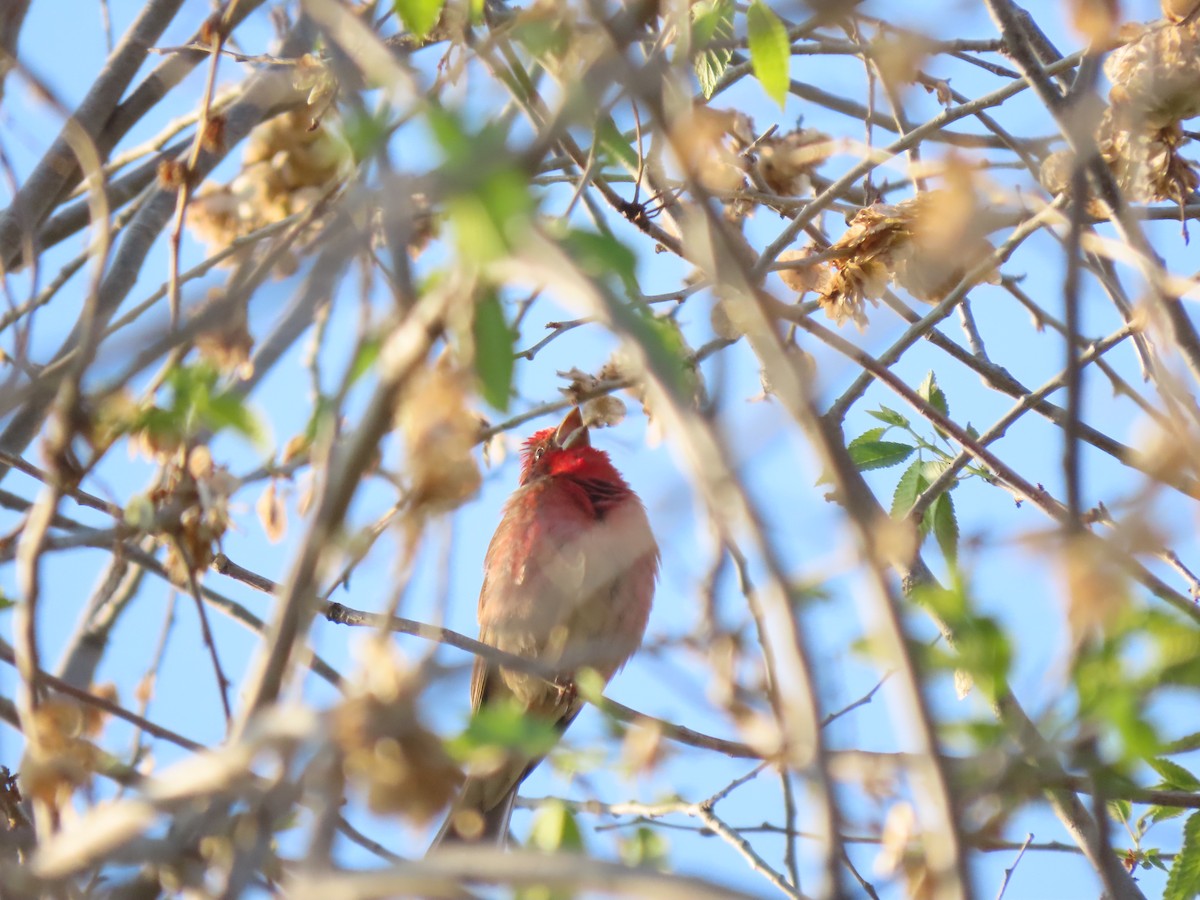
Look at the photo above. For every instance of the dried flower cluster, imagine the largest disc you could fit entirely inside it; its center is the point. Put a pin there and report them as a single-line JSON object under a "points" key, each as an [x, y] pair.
{"points": [[785, 162], [708, 143], [228, 346], [718, 149], [288, 165], [603, 411], [1155, 86], [200, 490], [62, 757], [403, 766], [926, 245], [440, 430]]}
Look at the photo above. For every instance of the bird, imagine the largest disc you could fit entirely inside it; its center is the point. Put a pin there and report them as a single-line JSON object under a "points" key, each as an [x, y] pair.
{"points": [[569, 578]]}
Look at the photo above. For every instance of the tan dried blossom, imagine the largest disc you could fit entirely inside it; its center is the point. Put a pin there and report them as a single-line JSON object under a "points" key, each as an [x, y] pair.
{"points": [[1155, 85], [315, 76], [228, 345], [1146, 163], [272, 514], [403, 766], [95, 718], [440, 431], [1178, 10], [1156, 78], [926, 245], [722, 323], [643, 749], [708, 143], [287, 166], [803, 278], [1096, 20], [899, 58], [1097, 588], [199, 490], [786, 162], [60, 760], [864, 272]]}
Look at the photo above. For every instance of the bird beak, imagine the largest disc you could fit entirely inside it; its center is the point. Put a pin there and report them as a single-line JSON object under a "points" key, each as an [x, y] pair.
{"points": [[572, 432]]}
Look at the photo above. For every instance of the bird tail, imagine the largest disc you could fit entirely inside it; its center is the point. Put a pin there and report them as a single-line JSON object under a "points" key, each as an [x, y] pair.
{"points": [[475, 818]]}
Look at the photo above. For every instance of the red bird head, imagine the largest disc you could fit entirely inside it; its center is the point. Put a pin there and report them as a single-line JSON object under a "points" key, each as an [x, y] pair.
{"points": [[565, 450]]}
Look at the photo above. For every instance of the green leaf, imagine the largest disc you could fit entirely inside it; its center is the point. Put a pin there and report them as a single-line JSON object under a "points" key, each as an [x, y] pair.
{"points": [[1162, 813], [867, 455], [712, 20], [501, 727], [600, 256], [1174, 776], [230, 411], [933, 394], [1120, 810], [366, 133], [419, 16], [945, 525], [364, 360], [645, 847], [1183, 882], [488, 218], [555, 828], [6, 602], [770, 50], [871, 434], [542, 36], [613, 145], [885, 414], [908, 489], [493, 351], [1187, 743]]}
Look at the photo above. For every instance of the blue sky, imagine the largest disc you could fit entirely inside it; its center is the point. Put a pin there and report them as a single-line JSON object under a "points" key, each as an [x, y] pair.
{"points": [[1011, 577]]}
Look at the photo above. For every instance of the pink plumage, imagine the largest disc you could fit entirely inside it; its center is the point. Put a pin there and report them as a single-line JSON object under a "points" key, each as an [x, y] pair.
{"points": [[568, 581]]}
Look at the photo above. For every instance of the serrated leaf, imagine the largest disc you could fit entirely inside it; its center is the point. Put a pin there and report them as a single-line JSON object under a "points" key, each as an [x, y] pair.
{"points": [[868, 455], [1188, 742], [871, 434], [1183, 882], [908, 489], [945, 525], [711, 21], [886, 414], [933, 469], [933, 394], [770, 50], [419, 16], [1162, 813], [1175, 777], [493, 351]]}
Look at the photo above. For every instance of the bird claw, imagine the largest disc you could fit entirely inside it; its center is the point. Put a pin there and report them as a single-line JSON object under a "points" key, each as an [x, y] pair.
{"points": [[566, 690]]}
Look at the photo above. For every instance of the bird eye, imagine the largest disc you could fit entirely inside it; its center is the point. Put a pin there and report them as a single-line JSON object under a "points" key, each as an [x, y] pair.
{"points": [[537, 454]]}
